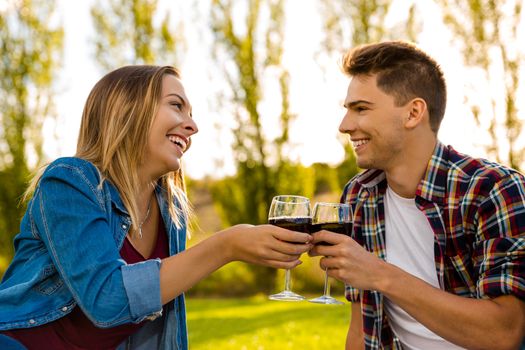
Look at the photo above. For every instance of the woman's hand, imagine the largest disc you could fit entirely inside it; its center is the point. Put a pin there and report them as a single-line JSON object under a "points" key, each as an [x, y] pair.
{"points": [[266, 245]]}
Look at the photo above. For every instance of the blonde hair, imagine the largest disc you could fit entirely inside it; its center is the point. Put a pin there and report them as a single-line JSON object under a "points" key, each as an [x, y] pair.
{"points": [[116, 121]]}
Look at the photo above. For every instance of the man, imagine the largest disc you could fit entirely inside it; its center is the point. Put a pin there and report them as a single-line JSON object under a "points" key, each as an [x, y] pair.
{"points": [[436, 259]]}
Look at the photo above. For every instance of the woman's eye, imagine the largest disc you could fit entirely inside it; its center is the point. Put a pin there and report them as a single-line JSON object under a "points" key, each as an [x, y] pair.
{"points": [[177, 105]]}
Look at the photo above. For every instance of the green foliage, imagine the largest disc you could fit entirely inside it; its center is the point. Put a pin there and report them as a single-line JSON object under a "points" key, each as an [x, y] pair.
{"points": [[30, 54], [239, 198], [488, 33], [232, 280], [258, 323], [348, 167], [358, 22], [263, 171], [127, 34], [326, 179]]}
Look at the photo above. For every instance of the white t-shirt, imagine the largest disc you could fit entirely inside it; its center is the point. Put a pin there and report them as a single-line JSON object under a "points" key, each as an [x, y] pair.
{"points": [[410, 246]]}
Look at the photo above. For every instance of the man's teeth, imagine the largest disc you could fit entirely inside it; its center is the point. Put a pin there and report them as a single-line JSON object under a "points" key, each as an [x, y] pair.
{"points": [[359, 142], [178, 141]]}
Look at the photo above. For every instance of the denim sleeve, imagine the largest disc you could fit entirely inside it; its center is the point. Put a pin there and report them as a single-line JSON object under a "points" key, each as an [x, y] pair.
{"points": [[72, 220]]}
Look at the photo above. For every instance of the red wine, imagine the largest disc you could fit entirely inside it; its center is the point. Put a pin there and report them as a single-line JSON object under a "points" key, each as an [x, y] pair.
{"points": [[342, 228], [337, 227], [300, 224]]}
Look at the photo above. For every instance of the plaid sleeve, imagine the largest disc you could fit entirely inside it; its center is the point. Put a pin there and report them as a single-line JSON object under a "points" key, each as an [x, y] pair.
{"points": [[500, 254], [351, 293]]}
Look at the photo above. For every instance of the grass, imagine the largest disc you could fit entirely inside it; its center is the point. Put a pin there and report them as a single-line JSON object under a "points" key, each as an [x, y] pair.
{"points": [[260, 324]]}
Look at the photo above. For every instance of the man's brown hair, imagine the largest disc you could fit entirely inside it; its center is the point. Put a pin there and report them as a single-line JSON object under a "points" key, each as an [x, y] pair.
{"points": [[404, 72]]}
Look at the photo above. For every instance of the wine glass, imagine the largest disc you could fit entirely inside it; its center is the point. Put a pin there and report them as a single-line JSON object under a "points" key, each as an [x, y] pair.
{"points": [[292, 213], [334, 217]]}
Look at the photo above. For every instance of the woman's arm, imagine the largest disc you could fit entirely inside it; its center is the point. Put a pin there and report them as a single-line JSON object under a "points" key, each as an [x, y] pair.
{"points": [[262, 245]]}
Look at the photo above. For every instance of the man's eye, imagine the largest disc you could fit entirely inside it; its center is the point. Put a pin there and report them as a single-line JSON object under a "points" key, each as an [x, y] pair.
{"points": [[361, 109]]}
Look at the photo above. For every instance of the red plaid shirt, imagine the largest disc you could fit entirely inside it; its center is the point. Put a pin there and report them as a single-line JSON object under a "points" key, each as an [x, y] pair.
{"points": [[477, 212]]}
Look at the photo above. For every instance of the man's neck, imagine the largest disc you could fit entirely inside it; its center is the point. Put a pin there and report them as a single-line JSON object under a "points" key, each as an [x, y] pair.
{"points": [[404, 177]]}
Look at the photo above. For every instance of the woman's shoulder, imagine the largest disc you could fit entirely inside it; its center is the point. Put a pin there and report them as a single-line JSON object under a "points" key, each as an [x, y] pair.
{"points": [[72, 166]]}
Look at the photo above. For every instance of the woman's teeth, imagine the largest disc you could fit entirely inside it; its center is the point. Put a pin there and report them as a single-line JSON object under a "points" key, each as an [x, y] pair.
{"points": [[178, 141]]}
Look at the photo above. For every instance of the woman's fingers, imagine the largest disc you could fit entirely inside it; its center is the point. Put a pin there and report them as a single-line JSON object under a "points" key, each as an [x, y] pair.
{"points": [[283, 264], [287, 235]]}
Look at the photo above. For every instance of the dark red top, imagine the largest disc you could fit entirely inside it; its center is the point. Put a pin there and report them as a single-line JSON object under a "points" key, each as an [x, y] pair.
{"points": [[75, 331]]}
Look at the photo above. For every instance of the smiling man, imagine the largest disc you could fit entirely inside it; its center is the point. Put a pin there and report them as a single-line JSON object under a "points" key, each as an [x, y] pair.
{"points": [[436, 258]]}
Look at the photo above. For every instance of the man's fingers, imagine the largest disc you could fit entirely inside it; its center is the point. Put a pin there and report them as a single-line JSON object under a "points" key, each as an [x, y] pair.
{"points": [[327, 237]]}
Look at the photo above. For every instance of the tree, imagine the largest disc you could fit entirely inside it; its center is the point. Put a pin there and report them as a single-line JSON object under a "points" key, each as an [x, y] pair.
{"points": [[249, 53], [30, 54], [487, 31], [126, 34], [247, 58]]}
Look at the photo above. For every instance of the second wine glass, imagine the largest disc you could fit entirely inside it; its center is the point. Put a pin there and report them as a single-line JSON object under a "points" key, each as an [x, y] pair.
{"points": [[334, 217], [292, 213]]}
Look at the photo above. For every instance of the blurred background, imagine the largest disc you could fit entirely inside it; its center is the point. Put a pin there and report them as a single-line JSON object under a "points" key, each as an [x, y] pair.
{"points": [[267, 93]]}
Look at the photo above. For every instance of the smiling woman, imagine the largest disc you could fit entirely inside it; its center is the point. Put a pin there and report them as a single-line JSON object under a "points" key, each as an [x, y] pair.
{"points": [[100, 261]]}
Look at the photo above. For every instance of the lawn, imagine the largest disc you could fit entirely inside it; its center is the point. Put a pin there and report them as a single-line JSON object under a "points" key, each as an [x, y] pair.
{"points": [[260, 324]]}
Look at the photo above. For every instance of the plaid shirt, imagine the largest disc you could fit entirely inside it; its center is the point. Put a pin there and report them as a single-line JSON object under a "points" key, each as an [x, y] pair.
{"points": [[477, 212]]}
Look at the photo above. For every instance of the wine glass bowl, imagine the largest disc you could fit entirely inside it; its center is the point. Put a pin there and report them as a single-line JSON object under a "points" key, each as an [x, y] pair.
{"points": [[334, 217], [292, 213]]}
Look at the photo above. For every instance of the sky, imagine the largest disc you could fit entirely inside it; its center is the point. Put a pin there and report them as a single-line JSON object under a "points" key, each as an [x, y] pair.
{"points": [[316, 94]]}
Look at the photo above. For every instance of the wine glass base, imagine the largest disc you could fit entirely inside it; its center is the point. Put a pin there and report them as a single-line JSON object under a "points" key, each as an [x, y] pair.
{"points": [[286, 296], [326, 300]]}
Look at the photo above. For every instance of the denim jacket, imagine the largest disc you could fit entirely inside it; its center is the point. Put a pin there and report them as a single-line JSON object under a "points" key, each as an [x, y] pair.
{"points": [[67, 255]]}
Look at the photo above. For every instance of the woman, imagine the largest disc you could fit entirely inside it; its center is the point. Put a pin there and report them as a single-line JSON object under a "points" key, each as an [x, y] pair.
{"points": [[100, 260]]}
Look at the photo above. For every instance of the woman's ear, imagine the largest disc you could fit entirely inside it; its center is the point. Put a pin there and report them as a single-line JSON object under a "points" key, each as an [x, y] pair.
{"points": [[416, 112]]}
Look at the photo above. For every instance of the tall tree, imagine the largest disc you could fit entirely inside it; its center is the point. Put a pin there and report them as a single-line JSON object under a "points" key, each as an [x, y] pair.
{"points": [[487, 31], [127, 34], [30, 54], [249, 53]]}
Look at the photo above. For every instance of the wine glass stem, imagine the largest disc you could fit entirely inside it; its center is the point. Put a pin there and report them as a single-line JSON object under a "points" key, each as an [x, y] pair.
{"points": [[287, 280], [326, 284]]}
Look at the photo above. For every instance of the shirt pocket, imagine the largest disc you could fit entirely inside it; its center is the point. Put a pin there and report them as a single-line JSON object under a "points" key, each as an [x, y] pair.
{"points": [[50, 281]]}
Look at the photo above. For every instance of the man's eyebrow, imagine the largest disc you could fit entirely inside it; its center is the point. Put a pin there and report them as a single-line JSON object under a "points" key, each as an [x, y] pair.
{"points": [[349, 105]]}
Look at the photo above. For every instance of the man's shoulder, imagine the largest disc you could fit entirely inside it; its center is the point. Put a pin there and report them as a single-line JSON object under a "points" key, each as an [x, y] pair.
{"points": [[464, 167]]}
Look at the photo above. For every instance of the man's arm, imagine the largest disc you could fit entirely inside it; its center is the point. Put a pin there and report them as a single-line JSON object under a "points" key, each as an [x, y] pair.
{"points": [[355, 337], [497, 323]]}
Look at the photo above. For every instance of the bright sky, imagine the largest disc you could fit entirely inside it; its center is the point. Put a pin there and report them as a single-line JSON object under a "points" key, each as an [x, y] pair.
{"points": [[316, 95]]}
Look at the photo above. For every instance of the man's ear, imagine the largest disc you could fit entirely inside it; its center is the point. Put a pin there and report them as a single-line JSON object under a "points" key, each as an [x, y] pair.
{"points": [[416, 112]]}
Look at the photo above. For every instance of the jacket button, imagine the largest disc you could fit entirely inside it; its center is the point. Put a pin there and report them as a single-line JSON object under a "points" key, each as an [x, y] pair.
{"points": [[124, 226], [31, 321], [64, 308]]}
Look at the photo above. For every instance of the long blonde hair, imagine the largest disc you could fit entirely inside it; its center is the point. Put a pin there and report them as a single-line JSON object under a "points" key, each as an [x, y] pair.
{"points": [[116, 121]]}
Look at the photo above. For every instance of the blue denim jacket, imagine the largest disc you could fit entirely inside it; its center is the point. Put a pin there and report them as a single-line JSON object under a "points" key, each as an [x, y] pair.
{"points": [[67, 254]]}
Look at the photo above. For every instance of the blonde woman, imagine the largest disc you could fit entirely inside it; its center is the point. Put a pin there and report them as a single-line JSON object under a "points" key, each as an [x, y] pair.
{"points": [[100, 260]]}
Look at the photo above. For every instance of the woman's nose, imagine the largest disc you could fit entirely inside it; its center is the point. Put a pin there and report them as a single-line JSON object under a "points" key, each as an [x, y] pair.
{"points": [[191, 126]]}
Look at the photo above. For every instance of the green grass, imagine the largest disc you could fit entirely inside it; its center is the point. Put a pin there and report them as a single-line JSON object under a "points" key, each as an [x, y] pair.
{"points": [[260, 324]]}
